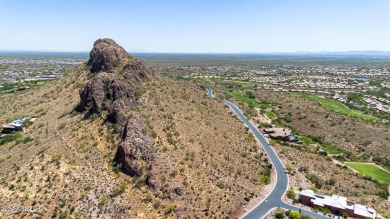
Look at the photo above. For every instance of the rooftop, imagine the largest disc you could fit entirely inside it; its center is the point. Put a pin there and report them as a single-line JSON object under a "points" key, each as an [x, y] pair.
{"points": [[339, 202], [364, 211]]}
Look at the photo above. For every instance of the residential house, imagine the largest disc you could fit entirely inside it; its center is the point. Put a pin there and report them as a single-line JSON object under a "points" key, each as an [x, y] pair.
{"points": [[336, 204], [280, 134]]}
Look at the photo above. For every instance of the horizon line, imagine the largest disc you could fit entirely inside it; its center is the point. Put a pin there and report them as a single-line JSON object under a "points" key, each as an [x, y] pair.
{"points": [[147, 52]]}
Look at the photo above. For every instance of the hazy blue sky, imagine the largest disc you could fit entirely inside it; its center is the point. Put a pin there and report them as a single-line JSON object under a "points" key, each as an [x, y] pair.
{"points": [[197, 25]]}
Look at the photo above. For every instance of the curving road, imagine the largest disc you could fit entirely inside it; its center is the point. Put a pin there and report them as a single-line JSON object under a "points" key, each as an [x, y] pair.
{"points": [[274, 199]]}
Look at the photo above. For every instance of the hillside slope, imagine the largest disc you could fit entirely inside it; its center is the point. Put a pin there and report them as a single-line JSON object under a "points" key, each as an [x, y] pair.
{"points": [[67, 165]]}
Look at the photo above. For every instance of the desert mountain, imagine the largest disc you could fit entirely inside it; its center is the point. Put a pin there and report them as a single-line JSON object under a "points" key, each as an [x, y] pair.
{"points": [[114, 139], [113, 88]]}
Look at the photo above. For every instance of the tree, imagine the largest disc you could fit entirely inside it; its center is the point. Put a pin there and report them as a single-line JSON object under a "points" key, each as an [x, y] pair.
{"points": [[294, 215], [265, 180], [279, 213], [249, 94], [291, 193], [331, 181], [355, 97]]}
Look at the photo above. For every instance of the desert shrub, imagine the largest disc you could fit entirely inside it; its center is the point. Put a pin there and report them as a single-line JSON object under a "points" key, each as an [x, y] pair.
{"points": [[169, 208], [266, 172], [10, 137], [139, 182], [304, 216], [154, 134], [303, 169], [116, 167], [294, 215], [316, 180], [148, 197], [64, 215], [265, 180], [56, 158], [102, 201], [384, 192], [323, 210], [291, 193], [315, 138], [119, 189], [331, 181], [27, 123], [249, 94], [287, 119], [157, 203], [279, 213], [221, 184], [323, 153], [173, 173], [27, 139], [62, 125]]}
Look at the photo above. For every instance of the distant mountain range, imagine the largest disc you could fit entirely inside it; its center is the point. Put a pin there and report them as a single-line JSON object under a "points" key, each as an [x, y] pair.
{"points": [[368, 52]]}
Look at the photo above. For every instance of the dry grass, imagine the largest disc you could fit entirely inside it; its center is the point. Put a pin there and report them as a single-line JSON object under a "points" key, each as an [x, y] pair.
{"points": [[203, 150], [210, 149]]}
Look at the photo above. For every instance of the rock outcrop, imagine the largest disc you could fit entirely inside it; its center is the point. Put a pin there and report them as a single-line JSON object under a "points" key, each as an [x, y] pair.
{"points": [[106, 55], [113, 87], [138, 149]]}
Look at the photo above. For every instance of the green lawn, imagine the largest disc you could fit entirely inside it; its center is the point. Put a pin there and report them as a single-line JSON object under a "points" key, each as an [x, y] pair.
{"points": [[306, 140], [270, 115], [250, 101], [371, 170], [249, 86], [331, 150], [280, 126], [336, 106]]}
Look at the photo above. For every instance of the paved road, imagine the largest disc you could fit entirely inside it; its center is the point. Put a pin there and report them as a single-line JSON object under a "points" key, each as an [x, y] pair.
{"points": [[274, 199]]}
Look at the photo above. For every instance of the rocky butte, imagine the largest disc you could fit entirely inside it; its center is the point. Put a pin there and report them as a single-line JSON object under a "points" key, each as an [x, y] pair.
{"points": [[113, 89]]}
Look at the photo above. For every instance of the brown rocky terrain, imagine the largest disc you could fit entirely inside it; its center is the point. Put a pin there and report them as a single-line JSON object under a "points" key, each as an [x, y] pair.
{"points": [[114, 87], [175, 152]]}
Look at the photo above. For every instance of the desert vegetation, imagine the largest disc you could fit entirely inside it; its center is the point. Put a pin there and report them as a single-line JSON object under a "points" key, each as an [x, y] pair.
{"points": [[209, 165]]}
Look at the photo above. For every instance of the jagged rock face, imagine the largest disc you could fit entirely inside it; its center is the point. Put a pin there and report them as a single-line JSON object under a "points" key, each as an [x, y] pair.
{"points": [[106, 55], [93, 94], [113, 88], [136, 152], [115, 92]]}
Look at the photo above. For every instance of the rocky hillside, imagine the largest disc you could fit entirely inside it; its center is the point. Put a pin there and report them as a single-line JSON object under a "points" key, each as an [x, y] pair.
{"points": [[114, 88], [114, 140]]}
